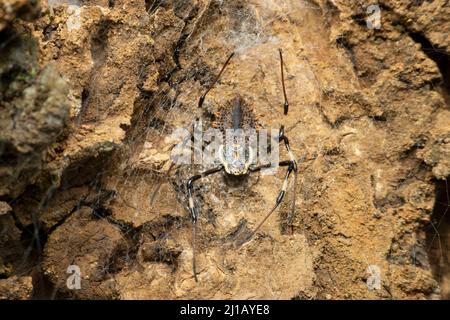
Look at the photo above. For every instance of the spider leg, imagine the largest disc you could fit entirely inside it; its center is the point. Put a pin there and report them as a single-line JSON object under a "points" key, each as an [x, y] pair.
{"points": [[291, 167], [202, 98], [193, 209], [284, 163], [283, 137], [286, 103]]}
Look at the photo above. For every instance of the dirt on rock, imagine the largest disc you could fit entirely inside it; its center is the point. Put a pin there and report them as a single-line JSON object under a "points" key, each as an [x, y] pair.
{"points": [[91, 93]]}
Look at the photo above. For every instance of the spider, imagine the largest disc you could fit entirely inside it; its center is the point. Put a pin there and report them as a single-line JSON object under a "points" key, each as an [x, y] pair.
{"points": [[234, 156]]}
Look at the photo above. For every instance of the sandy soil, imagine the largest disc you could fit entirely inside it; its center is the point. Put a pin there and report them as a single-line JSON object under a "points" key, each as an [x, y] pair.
{"points": [[91, 92]]}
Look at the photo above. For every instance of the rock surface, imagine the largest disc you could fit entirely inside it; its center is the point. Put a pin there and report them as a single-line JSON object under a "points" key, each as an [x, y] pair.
{"points": [[92, 91], [15, 288]]}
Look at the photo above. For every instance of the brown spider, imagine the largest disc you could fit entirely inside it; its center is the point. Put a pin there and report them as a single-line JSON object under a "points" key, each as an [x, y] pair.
{"points": [[236, 157]]}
